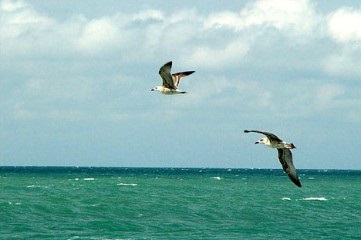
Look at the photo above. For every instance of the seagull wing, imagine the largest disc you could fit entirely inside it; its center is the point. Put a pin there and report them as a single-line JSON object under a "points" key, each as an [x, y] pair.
{"points": [[164, 72], [285, 157], [177, 76], [270, 136]]}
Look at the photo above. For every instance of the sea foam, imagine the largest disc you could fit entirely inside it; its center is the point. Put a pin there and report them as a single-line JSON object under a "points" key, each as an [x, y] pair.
{"points": [[88, 179], [286, 199], [315, 199], [217, 178], [127, 184]]}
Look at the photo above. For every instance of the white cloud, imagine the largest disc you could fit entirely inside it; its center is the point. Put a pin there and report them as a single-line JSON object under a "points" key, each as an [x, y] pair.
{"points": [[9, 6], [263, 31], [97, 35], [344, 29], [263, 26], [345, 25], [153, 31], [296, 17], [18, 18]]}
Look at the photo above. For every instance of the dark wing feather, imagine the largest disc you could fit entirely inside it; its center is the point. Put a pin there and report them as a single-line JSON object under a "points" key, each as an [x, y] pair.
{"points": [[164, 72], [285, 157], [270, 136], [177, 76]]}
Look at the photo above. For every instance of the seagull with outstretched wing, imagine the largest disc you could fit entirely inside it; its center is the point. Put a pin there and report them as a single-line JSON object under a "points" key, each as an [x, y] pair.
{"points": [[170, 81], [284, 153]]}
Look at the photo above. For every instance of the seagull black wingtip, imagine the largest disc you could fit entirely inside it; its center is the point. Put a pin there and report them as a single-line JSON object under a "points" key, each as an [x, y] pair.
{"points": [[298, 184]]}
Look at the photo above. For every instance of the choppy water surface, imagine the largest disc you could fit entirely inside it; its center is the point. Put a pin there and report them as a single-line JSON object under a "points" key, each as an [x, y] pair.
{"points": [[141, 203]]}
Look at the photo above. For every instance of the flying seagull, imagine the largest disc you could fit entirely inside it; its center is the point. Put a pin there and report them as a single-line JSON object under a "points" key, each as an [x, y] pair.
{"points": [[170, 81], [284, 153]]}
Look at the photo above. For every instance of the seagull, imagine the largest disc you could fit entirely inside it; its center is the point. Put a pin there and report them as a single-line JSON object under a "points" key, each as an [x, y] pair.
{"points": [[170, 81], [284, 153]]}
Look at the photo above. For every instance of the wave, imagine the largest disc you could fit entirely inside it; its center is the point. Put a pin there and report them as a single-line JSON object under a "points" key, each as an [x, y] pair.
{"points": [[315, 199], [36, 186], [89, 179], [217, 178], [307, 199], [127, 184], [286, 199], [84, 179]]}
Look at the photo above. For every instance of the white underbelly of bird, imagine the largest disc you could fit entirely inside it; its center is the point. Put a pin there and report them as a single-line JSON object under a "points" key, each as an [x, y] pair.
{"points": [[281, 145], [168, 91]]}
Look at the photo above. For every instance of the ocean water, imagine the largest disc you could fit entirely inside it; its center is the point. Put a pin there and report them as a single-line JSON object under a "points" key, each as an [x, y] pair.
{"points": [[164, 203]]}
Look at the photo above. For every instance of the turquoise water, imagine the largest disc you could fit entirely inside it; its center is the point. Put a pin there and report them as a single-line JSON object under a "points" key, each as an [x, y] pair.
{"points": [[139, 203]]}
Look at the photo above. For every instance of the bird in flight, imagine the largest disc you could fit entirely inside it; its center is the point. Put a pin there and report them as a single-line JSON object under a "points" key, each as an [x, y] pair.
{"points": [[284, 153], [170, 81]]}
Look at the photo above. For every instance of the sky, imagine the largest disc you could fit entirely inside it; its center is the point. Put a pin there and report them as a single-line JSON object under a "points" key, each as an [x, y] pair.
{"points": [[75, 80]]}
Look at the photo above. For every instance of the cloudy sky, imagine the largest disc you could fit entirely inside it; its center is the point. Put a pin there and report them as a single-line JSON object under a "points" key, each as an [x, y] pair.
{"points": [[75, 80]]}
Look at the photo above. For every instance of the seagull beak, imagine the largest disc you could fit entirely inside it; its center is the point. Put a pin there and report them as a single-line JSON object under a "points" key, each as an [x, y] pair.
{"points": [[152, 89], [256, 142]]}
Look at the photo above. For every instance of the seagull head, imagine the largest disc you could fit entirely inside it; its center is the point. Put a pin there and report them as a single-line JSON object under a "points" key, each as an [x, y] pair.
{"points": [[264, 140], [156, 88]]}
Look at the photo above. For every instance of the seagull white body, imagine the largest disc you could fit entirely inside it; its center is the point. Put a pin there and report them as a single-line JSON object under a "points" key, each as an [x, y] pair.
{"points": [[275, 144], [284, 153], [167, 91], [170, 81]]}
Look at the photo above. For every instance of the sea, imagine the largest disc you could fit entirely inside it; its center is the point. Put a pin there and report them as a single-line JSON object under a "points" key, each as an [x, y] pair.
{"points": [[177, 203]]}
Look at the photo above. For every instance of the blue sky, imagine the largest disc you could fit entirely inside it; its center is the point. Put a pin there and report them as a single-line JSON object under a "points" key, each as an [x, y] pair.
{"points": [[75, 80]]}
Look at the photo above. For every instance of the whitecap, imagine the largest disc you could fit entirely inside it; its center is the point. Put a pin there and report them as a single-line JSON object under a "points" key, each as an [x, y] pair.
{"points": [[36, 186], [217, 178], [127, 184], [286, 199], [315, 199], [88, 179]]}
